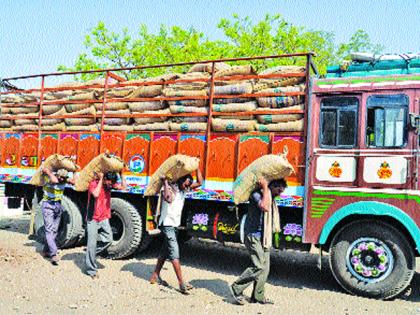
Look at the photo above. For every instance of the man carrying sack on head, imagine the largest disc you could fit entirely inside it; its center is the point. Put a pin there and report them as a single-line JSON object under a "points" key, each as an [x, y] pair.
{"points": [[52, 209], [262, 221], [98, 215]]}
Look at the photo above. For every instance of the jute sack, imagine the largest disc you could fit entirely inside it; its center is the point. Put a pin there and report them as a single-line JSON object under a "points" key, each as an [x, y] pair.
{"points": [[94, 95], [270, 167], [25, 128], [79, 121], [230, 100], [147, 91], [51, 109], [140, 107], [236, 117], [119, 92], [278, 115], [188, 86], [49, 121], [159, 126], [5, 109], [279, 101], [23, 110], [181, 93], [53, 162], [4, 123], [148, 120], [20, 122], [12, 98], [284, 89], [173, 169], [188, 109], [112, 106], [233, 125], [56, 127], [92, 127], [188, 126], [102, 163], [196, 103], [114, 121], [235, 70], [235, 107], [71, 108], [188, 119], [296, 125], [207, 67], [277, 82], [57, 95], [244, 88], [118, 128], [283, 69]]}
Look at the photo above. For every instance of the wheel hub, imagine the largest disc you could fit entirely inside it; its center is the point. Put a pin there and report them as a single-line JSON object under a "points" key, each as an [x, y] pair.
{"points": [[369, 260]]}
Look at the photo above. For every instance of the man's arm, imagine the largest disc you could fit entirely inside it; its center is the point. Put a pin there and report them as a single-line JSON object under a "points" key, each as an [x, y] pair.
{"points": [[95, 192], [52, 177], [168, 194], [199, 181], [264, 204]]}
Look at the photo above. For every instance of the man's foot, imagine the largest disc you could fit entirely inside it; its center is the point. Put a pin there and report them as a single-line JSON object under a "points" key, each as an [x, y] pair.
{"points": [[264, 301], [239, 298], [45, 254], [94, 276], [158, 280], [183, 289], [55, 260]]}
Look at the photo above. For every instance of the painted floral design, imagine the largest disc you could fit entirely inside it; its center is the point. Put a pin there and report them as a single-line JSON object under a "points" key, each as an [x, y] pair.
{"points": [[384, 171], [293, 231], [369, 249], [335, 170], [200, 221]]}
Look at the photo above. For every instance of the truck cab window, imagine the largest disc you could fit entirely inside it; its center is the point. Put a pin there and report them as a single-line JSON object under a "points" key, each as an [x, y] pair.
{"points": [[387, 121], [339, 122]]}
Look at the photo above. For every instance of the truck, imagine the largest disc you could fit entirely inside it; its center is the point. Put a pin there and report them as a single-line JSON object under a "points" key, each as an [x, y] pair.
{"points": [[355, 190]]}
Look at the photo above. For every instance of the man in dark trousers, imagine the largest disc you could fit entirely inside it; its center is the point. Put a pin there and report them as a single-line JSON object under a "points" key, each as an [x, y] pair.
{"points": [[262, 219], [98, 215], [52, 209]]}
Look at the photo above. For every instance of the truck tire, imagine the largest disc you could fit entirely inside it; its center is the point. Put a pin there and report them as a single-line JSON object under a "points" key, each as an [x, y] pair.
{"points": [[372, 259], [70, 230], [127, 229]]}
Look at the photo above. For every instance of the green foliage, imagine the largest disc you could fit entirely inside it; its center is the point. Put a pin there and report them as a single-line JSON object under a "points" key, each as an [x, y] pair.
{"points": [[273, 35]]}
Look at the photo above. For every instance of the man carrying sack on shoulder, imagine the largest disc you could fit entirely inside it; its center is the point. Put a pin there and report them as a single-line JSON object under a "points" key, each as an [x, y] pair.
{"points": [[55, 183], [98, 214], [262, 221]]}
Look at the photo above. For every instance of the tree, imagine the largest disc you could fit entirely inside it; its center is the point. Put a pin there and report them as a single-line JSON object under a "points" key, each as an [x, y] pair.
{"points": [[272, 35]]}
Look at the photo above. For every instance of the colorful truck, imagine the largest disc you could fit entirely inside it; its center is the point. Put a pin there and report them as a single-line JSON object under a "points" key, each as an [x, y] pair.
{"points": [[354, 193]]}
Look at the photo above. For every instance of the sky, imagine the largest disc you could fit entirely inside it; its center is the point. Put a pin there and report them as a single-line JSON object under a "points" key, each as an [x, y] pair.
{"points": [[36, 36]]}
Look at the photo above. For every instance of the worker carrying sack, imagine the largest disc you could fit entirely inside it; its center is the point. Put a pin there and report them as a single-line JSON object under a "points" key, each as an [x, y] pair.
{"points": [[173, 169], [54, 163], [269, 166], [103, 163]]}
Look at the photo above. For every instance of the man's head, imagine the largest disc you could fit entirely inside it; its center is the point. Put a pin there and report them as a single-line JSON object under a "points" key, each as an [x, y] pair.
{"points": [[62, 175], [185, 182], [277, 186], [110, 178]]}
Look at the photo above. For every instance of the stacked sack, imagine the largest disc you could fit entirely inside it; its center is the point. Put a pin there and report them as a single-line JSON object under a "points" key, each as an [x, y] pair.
{"points": [[278, 121], [53, 162], [25, 114], [226, 85]]}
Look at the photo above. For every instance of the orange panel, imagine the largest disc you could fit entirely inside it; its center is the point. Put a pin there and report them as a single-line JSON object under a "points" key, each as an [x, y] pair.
{"points": [[29, 150], [113, 142], [49, 144], [251, 148], [68, 145], [2, 139], [193, 145], [136, 148], [87, 149], [222, 163], [11, 150], [296, 155], [163, 146]]}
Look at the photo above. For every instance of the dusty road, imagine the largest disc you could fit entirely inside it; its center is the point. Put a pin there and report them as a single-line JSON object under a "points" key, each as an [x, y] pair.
{"points": [[31, 285]]}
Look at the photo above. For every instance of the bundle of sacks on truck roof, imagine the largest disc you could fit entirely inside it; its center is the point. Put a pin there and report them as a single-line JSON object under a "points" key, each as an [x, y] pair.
{"points": [[183, 93]]}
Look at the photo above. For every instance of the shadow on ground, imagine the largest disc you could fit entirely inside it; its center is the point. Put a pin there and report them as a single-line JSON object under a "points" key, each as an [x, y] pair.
{"points": [[18, 224]]}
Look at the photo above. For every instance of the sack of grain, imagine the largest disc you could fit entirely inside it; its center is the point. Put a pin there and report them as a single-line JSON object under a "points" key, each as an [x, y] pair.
{"points": [[282, 70], [148, 120], [112, 106], [83, 96], [189, 119], [119, 92], [71, 108], [278, 115], [235, 107], [188, 86], [296, 125], [5, 123], [235, 117], [140, 107], [196, 103], [49, 121], [260, 89], [4, 110], [207, 67], [217, 100], [56, 127], [20, 122], [244, 88], [270, 167], [188, 126], [175, 109], [118, 128], [18, 110], [12, 98], [180, 93], [53, 162], [57, 95], [173, 169], [147, 91], [92, 127], [163, 126], [48, 109], [114, 121], [232, 125], [25, 128], [279, 101], [279, 82], [235, 70], [102, 163]]}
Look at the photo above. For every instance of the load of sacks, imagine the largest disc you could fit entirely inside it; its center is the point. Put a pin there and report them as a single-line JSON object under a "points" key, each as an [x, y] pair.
{"points": [[235, 103]]}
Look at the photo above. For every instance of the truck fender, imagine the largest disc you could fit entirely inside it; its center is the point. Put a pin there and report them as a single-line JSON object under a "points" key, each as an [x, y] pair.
{"points": [[371, 208]]}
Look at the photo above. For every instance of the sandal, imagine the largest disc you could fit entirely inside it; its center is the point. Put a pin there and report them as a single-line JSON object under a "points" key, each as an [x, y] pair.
{"points": [[160, 281], [188, 286], [183, 289]]}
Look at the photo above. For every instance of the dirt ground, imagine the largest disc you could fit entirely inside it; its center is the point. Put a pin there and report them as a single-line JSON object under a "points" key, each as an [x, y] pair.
{"points": [[31, 285]]}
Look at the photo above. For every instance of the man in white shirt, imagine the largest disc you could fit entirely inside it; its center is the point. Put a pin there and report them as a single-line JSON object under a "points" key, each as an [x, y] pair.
{"points": [[169, 221]]}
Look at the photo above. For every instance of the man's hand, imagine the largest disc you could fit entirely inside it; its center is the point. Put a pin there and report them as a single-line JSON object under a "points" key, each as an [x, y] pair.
{"points": [[100, 175], [262, 182]]}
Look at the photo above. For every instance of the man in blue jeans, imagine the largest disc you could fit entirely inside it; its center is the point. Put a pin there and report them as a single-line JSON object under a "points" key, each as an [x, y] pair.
{"points": [[52, 209], [169, 221]]}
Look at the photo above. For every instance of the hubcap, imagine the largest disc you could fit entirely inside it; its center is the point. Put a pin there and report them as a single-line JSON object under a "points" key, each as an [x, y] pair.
{"points": [[369, 260]]}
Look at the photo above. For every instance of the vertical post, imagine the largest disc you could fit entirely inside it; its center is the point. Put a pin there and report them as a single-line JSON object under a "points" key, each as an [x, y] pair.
{"points": [[41, 101], [104, 100], [209, 118]]}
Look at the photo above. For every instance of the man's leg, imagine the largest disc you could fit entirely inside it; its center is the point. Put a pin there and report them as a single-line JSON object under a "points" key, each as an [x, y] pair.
{"points": [[258, 292], [105, 236], [253, 244], [58, 210], [92, 238], [48, 214], [163, 255]]}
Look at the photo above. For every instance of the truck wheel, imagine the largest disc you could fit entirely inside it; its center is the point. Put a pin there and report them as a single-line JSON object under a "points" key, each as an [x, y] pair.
{"points": [[372, 259], [70, 230], [126, 225]]}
